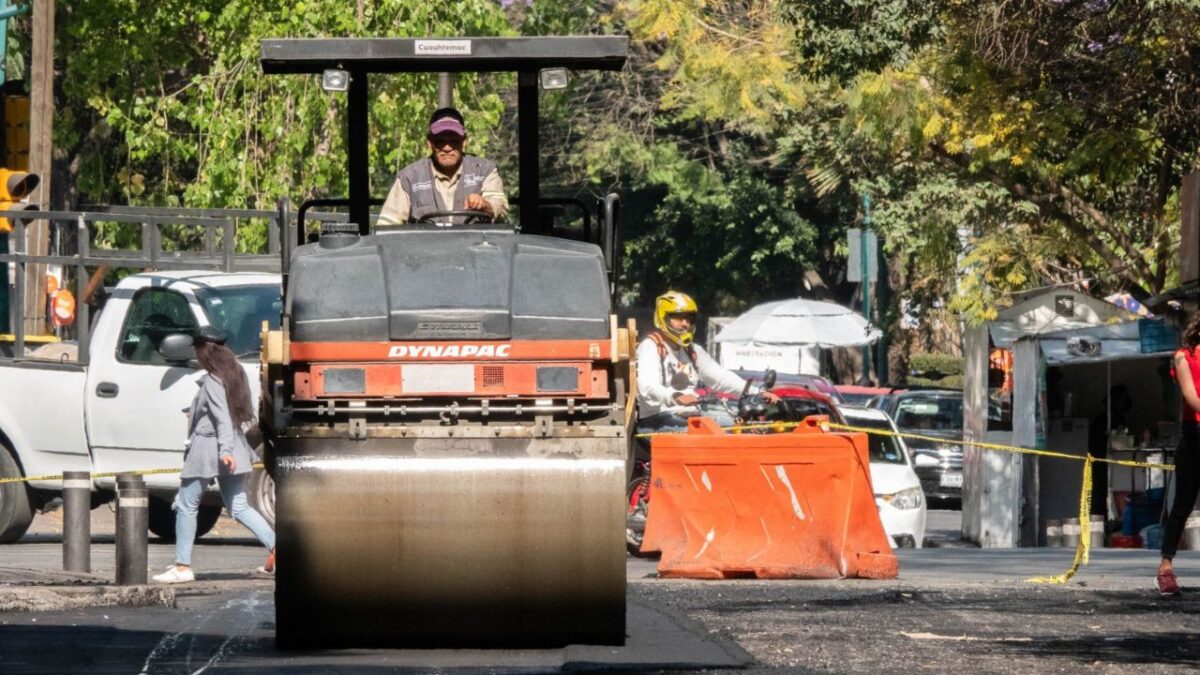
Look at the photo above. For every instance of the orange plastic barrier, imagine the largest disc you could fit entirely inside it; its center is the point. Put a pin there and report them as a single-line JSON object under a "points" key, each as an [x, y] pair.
{"points": [[793, 505]]}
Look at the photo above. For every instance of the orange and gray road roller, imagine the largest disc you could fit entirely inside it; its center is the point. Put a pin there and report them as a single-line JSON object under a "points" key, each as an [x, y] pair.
{"points": [[447, 404]]}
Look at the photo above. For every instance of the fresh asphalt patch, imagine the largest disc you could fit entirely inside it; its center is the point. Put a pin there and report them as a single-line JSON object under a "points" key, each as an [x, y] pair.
{"points": [[853, 628], [951, 610], [235, 631]]}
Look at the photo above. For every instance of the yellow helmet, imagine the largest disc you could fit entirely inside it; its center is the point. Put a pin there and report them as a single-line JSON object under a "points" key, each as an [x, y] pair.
{"points": [[674, 302]]}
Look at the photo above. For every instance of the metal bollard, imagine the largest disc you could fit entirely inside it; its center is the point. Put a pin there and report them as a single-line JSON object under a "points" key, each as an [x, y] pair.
{"points": [[1054, 533], [125, 481], [1189, 540], [1070, 532], [1098, 540], [133, 505], [77, 521]]}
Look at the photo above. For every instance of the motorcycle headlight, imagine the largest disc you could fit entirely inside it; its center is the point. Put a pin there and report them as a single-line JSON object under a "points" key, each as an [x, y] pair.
{"points": [[909, 498]]}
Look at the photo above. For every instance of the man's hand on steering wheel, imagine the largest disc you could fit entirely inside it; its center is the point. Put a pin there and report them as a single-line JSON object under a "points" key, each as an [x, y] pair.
{"points": [[476, 202]]}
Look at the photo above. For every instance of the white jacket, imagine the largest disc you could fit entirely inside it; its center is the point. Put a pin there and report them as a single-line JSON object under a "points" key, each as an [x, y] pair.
{"points": [[655, 392]]}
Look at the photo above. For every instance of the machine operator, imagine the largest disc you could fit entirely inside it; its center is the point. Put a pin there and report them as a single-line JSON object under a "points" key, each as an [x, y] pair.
{"points": [[447, 180]]}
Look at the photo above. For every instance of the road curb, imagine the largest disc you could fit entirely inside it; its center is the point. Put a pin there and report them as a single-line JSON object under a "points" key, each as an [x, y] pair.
{"points": [[949, 543], [61, 598]]}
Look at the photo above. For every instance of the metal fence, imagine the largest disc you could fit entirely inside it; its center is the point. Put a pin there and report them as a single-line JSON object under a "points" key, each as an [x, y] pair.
{"points": [[217, 252]]}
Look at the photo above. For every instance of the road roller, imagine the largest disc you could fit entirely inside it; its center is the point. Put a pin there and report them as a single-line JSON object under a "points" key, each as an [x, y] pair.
{"points": [[447, 404]]}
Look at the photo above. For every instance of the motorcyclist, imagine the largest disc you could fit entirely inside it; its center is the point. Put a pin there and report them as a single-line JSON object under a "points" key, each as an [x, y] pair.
{"points": [[670, 367]]}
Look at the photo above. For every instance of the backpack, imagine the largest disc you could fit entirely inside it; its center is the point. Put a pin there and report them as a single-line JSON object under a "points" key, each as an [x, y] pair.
{"points": [[661, 343]]}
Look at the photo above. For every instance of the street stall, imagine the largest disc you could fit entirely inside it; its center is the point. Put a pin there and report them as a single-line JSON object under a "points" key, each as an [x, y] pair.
{"points": [[1000, 498], [1107, 391]]}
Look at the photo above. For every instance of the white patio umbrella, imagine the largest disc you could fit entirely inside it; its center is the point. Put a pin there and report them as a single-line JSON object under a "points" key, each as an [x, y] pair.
{"points": [[800, 322]]}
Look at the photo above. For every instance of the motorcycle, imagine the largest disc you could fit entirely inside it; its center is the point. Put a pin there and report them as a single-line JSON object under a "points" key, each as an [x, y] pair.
{"points": [[750, 408]]}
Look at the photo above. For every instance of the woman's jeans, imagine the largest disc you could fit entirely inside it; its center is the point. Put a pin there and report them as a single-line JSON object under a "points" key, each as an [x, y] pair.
{"points": [[233, 493], [670, 423], [1187, 484]]}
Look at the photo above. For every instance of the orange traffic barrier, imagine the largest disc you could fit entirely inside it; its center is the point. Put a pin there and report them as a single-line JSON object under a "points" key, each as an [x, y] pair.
{"points": [[795, 505]]}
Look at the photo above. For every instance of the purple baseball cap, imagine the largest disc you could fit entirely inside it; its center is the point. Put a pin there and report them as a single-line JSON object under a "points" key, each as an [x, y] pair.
{"points": [[447, 125]]}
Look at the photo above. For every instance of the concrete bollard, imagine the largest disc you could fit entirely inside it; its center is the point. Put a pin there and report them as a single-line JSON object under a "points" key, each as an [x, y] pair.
{"points": [[77, 521], [1054, 533], [133, 505]]}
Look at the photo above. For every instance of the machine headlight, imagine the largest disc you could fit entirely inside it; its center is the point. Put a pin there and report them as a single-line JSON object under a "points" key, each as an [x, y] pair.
{"points": [[909, 498]]}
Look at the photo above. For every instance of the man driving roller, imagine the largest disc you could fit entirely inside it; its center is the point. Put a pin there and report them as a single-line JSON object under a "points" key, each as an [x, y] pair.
{"points": [[447, 180]]}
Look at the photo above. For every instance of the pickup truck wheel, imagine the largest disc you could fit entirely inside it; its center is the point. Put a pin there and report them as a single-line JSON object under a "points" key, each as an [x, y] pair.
{"points": [[15, 512], [162, 518], [260, 489]]}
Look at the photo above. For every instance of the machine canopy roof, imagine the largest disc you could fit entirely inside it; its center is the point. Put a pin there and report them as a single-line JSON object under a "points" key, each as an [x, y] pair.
{"points": [[458, 54]]}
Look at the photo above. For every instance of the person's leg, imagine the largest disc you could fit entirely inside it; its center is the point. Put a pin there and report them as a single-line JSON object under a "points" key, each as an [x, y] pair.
{"points": [[662, 423], [187, 503], [724, 420], [233, 492], [1187, 483]]}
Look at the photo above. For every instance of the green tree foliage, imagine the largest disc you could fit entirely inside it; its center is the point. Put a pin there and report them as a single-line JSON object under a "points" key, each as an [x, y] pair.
{"points": [[936, 370], [1005, 143], [165, 101], [842, 38], [1081, 113]]}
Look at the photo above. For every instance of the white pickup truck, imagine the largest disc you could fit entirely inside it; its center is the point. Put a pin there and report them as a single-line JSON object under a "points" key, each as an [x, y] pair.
{"points": [[122, 411], [120, 407]]}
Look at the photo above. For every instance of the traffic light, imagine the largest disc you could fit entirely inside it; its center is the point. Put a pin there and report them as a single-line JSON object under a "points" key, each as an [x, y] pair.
{"points": [[15, 186]]}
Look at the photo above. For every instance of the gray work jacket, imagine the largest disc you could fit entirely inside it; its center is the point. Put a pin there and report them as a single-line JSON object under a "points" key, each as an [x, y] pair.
{"points": [[417, 181], [212, 434]]}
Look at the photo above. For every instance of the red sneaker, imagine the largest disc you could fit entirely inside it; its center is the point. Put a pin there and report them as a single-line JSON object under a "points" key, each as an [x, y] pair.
{"points": [[269, 566], [1167, 585]]}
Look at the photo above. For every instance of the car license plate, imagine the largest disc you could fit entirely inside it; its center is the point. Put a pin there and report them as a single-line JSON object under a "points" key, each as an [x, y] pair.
{"points": [[953, 480]]}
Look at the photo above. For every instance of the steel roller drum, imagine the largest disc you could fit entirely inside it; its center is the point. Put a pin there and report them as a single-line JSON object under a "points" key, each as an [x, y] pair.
{"points": [[450, 541]]}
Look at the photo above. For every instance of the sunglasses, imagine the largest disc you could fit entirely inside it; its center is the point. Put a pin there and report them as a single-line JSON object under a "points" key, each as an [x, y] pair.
{"points": [[443, 140]]}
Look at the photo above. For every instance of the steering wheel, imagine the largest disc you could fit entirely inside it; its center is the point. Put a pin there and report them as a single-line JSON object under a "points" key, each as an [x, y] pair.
{"points": [[471, 216]]}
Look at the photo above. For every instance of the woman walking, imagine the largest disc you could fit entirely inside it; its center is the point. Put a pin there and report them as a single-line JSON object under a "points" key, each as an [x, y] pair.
{"points": [[1187, 462], [218, 419]]}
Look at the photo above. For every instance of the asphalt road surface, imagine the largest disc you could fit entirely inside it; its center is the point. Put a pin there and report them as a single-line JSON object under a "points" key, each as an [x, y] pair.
{"points": [[951, 610]]}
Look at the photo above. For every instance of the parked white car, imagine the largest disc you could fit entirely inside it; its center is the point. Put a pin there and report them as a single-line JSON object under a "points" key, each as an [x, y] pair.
{"points": [[898, 492]]}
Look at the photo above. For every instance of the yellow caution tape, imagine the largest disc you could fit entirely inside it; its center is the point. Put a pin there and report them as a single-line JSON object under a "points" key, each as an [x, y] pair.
{"points": [[1085, 530], [107, 474]]}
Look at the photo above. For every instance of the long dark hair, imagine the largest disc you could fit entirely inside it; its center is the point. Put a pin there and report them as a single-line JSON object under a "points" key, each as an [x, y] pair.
{"points": [[1191, 334], [218, 360]]}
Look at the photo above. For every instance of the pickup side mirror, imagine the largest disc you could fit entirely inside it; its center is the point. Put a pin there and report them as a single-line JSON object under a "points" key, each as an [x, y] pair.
{"points": [[177, 349]]}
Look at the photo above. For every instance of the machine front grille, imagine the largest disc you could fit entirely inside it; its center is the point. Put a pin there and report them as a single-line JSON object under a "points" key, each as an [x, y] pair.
{"points": [[493, 376]]}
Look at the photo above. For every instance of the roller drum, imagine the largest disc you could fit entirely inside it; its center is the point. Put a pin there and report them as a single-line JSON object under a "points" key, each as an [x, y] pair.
{"points": [[439, 542]]}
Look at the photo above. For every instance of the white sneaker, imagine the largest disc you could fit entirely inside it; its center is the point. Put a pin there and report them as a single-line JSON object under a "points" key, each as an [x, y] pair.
{"points": [[174, 576]]}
